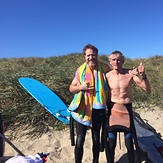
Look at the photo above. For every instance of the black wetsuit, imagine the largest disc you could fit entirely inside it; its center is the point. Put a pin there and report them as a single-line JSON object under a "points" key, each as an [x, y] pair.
{"points": [[98, 119], [129, 134]]}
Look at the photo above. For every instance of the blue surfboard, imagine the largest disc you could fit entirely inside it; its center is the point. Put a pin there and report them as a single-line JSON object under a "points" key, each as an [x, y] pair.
{"points": [[47, 98]]}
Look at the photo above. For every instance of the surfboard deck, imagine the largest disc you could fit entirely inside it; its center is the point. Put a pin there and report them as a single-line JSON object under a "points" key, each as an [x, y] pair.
{"points": [[47, 98], [149, 141]]}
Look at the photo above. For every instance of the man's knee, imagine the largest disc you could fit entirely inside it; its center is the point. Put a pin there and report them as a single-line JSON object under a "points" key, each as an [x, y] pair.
{"points": [[80, 140], [96, 138], [112, 143], [129, 144]]}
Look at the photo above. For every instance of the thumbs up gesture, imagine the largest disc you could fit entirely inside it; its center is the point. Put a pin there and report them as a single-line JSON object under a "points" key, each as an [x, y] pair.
{"points": [[141, 69]]}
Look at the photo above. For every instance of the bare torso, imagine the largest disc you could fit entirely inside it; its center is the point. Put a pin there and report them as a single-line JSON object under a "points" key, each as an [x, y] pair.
{"points": [[120, 86]]}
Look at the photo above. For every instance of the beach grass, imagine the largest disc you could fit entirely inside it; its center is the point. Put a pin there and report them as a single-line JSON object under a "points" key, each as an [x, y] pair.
{"points": [[20, 110]]}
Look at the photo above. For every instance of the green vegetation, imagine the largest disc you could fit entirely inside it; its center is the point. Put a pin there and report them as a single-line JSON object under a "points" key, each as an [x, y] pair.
{"points": [[20, 110]]}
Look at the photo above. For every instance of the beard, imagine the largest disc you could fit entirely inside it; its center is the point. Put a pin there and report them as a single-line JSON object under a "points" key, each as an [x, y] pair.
{"points": [[92, 63]]}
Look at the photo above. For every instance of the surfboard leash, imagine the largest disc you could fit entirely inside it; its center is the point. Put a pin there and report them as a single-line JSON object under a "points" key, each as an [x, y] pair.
{"points": [[12, 145], [72, 131]]}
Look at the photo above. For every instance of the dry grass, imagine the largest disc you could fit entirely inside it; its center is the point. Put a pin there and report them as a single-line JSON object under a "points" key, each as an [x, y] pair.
{"points": [[19, 109]]}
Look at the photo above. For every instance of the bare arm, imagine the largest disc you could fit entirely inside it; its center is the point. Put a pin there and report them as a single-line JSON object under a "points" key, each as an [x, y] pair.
{"points": [[74, 87], [144, 82], [109, 89]]}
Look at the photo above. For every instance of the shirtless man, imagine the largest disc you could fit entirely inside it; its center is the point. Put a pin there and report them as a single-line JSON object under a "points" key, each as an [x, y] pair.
{"points": [[120, 108]]}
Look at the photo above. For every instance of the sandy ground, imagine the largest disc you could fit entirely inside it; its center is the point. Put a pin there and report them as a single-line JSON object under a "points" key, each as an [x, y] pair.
{"points": [[59, 146]]}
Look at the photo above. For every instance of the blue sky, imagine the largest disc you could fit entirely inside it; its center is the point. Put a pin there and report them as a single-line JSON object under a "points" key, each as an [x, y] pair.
{"points": [[46, 28]]}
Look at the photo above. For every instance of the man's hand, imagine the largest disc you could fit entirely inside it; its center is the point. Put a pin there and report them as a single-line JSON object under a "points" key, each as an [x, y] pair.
{"points": [[141, 69], [135, 71], [86, 86]]}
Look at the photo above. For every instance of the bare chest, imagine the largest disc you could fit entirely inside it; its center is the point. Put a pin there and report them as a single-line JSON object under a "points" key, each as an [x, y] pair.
{"points": [[119, 81]]}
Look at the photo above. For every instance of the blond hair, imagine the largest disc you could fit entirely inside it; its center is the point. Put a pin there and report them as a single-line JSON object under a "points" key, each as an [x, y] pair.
{"points": [[117, 53]]}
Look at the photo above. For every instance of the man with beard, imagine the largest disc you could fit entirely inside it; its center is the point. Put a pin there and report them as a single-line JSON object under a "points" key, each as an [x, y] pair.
{"points": [[88, 107]]}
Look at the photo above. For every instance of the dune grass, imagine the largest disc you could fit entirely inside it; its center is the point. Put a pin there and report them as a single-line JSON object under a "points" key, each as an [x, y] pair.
{"points": [[20, 110]]}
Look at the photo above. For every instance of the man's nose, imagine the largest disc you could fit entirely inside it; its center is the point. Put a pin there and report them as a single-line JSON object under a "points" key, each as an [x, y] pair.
{"points": [[116, 61], [91, 57]]}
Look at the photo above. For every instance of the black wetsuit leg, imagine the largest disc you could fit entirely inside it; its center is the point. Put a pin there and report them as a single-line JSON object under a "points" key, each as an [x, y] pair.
{"points": [[111, 146], [81, 132], [129, 146], [98, 117]]}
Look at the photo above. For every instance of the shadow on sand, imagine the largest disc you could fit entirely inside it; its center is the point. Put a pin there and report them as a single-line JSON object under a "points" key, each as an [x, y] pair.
{"points": [[4, 159], [124, 159]]}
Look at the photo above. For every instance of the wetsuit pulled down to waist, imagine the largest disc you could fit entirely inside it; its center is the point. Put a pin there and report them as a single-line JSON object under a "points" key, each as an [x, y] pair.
{"points": [[119, 117]]}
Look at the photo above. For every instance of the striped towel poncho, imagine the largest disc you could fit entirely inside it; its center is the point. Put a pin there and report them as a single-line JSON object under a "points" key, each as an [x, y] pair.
{"points": [[83, 101]]}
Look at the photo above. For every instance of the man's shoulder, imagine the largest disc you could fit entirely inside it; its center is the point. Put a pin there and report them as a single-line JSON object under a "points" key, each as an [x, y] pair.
{"points": [[127, 70], [82, 65], [109, 73]]}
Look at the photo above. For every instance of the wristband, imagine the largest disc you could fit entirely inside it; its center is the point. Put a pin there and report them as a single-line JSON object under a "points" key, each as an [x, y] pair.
{"points": [[145, 77]]}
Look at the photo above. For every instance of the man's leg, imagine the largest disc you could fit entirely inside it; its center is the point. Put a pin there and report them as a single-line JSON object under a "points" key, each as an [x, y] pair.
{"points": [[112, 139], [98, 117], [81, 132], [130, 147]]}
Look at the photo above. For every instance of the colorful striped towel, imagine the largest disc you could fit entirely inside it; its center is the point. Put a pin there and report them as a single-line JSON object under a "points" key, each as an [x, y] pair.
{"points": [[83, 101]]}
